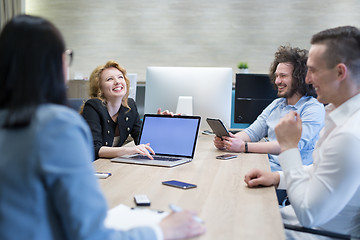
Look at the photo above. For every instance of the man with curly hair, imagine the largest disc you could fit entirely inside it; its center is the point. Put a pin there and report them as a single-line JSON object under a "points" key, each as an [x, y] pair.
{"points": [[287, 73]]}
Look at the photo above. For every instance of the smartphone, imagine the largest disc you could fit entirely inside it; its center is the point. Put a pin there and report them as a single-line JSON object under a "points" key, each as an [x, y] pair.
{"points": [[226, 156], [218, 127], [179, 184]]}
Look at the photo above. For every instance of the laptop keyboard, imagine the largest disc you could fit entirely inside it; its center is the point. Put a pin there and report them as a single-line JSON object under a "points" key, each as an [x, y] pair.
{"points": [[159, 158]]}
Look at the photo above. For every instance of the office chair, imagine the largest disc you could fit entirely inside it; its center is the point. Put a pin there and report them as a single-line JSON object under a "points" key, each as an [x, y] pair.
{"points": [[319, 232], [76, 103]]}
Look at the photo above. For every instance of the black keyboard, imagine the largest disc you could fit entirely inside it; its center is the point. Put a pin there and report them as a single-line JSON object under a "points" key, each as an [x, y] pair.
{"points": [[159, 158]]}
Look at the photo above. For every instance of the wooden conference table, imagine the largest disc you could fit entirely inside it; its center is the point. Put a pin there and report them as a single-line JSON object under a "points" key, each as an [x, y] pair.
{"points": [[228, 207]]}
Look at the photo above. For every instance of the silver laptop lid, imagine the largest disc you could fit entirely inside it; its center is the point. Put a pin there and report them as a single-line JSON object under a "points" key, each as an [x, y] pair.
{"points": [[167, 135]]}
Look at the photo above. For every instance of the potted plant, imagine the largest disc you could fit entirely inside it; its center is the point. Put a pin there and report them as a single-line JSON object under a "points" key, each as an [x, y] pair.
{"points": [[243, 67]]}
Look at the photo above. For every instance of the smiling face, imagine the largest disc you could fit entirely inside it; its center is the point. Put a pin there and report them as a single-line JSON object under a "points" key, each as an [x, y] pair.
{"points": [[320, 76], [112, 84], [283, 81]]}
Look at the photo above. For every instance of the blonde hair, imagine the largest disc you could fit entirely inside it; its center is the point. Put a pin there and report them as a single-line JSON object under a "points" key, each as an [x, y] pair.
{"points": [[94, 83]]}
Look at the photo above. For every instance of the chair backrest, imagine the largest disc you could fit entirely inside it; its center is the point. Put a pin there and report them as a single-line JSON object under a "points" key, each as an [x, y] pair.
{"points": [[76, 103], [318, 232]]}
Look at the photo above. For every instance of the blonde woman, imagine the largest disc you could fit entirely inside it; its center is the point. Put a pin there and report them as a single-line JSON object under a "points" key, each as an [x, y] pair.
{"points": [[111, 115]]}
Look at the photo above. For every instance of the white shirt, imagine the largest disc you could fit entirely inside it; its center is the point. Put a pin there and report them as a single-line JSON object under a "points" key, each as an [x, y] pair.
{"points": [[327, 193]]}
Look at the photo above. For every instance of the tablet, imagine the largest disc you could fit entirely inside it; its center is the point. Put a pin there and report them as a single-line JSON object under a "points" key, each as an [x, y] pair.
{"points": [[218, 127]]}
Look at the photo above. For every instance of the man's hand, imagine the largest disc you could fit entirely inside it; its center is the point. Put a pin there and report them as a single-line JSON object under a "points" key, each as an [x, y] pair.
{"points": [[234, 144], [219, 143], [288, 131], [257, 177]]}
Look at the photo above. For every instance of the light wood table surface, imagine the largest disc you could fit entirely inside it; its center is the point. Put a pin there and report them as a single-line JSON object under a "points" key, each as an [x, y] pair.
{"points": [[228, 207]]}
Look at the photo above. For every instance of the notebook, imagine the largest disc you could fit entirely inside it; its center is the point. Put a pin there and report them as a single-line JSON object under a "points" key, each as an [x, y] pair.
{"points": [[173, 138]]}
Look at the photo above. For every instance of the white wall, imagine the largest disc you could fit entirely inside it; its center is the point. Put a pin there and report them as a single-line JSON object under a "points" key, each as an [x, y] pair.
{"points": [[141, 33]]}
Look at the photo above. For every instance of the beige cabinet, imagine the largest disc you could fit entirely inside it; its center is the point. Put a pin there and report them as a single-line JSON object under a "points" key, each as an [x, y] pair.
{"points": [[78, 89]]}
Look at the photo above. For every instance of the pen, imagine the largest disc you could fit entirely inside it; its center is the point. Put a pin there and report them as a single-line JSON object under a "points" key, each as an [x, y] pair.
{"points": [[102, 175], [178, 209], [141, 208]]}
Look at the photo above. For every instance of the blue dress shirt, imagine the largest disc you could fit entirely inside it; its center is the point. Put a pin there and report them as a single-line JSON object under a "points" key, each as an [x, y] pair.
{"points": [[312, 114], [47, 185]]}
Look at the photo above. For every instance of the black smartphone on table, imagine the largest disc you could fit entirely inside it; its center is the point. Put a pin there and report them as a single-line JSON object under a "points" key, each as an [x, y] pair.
{"points": [[179, 184], [226, 156], [218, 127]]}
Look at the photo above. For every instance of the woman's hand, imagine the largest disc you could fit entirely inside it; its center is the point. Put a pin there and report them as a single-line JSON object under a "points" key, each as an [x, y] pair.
{"points": [[181, 225], [167, 112], [143, 149]]}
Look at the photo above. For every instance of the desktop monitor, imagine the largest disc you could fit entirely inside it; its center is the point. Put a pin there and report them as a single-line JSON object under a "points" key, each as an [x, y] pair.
{"points": [[210, 89], [253, 93]]}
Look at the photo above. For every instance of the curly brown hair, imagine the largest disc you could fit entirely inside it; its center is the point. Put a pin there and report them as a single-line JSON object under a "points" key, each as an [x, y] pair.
{"points": [[297, 58]]}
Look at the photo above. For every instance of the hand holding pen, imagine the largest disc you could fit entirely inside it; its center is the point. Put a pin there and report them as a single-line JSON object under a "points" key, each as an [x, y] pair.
{"points": [[175, 208], [181, 224]]}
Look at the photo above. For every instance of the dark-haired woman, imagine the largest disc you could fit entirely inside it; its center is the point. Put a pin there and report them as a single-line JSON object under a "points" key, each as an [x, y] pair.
{"points": [[47, 184]]}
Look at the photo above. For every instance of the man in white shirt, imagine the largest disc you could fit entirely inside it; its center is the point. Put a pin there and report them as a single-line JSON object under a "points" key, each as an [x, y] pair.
{"points": [[326, 194]]}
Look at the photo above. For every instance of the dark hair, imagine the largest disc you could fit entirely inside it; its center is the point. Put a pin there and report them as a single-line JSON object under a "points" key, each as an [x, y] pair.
{"points": [[31, 68], [297, 58], [342, 46]]}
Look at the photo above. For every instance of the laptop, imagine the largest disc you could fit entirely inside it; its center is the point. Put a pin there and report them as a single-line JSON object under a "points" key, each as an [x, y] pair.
{"points": [[173, 140]]}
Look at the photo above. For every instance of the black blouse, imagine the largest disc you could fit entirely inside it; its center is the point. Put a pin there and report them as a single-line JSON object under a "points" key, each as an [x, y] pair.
{"points": [[103, 127]]}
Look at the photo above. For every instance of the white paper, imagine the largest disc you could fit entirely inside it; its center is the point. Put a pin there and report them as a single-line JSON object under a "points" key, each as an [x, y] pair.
{"points": [[122, 217]]}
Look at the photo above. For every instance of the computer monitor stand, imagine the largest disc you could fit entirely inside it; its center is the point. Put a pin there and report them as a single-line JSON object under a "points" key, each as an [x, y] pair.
{"points": [[185, 105]]}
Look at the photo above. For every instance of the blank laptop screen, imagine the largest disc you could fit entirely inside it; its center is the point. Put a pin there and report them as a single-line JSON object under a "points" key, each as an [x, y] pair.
{"points": [[170, 135]]}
